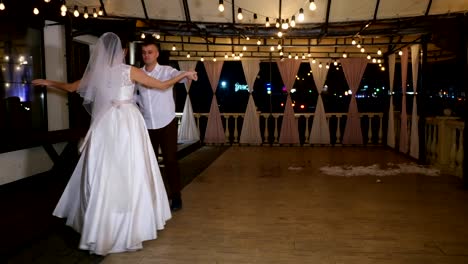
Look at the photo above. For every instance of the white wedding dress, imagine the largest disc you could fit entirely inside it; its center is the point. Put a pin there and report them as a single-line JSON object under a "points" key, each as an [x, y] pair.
{"points": [[116, 197]]}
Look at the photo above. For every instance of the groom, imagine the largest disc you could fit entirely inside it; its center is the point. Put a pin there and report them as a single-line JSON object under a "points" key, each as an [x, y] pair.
{"points": [[158, 109]]}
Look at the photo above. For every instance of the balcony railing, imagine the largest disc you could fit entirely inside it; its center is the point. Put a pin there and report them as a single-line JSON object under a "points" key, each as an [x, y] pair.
{"points": [[270, 126]]}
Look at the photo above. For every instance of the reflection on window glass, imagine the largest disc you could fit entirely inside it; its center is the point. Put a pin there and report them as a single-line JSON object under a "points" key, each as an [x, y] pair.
{"points": [[21, 106]]}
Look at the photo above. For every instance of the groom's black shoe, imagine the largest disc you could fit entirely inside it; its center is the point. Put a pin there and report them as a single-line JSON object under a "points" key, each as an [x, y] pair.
{"points": [[176, 204]]}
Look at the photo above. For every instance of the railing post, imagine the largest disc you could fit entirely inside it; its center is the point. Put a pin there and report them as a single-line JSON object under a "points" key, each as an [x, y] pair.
{"points": [[266, 134], [380, 128], [369, 130], [338, 129], [306, 136], [226, 132], [275, 116], [236, 134]]}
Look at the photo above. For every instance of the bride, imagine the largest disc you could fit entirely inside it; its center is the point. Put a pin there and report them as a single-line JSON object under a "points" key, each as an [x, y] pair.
{"points": [[115, 197]]}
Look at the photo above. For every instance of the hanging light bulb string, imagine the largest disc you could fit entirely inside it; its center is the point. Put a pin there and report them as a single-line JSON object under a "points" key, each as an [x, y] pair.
{"points": [[299, 14]]}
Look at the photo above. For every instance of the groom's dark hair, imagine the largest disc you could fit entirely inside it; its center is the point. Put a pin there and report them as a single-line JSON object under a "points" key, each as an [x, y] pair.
{"points": [[151, 41]]}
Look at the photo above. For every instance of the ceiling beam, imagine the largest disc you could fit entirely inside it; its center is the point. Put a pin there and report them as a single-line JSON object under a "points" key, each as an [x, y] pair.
{"points": [[186, 11], [144, 9], [376, 10], [233, 13], [280, 4], [429, 4], [327, 18], [103, 7]]}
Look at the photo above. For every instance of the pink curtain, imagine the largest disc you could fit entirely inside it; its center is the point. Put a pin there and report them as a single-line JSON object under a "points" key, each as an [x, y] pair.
{"points": [[404, 116], [289, 132], [391, 117], [214, 129], [250, 133], [414, 142], [353, 69]]}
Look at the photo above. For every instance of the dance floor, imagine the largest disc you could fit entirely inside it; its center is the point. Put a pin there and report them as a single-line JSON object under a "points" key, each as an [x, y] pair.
{"points": [[276, 205]]}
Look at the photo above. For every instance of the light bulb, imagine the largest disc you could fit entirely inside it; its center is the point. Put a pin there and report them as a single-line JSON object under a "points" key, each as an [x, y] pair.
{"points": [[259, 42], [202, 59], [221, 6], [188, 55], [363, 50], [279, 46], [345, 55], [335, 63], [280, 34], [36, 11], [244, 48], [400, 53], [47, 1], [76, 13], [369, 56], [272, 48], [379, 52], [267, 22], [312, 5], [86, 15], [293, 21], [2, 6], [226, 56], [63, 8], [239, 14], [101, 12], [143, 35], [94, 13], [174, 47], [301, 15]]}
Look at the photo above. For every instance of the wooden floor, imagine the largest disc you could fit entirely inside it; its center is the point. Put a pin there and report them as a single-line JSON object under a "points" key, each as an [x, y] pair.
{"points": [[272, 205]]}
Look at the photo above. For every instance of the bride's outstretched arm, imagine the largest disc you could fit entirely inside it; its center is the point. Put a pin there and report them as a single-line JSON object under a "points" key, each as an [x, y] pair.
{"points": [[139, 76], [69, 87]]}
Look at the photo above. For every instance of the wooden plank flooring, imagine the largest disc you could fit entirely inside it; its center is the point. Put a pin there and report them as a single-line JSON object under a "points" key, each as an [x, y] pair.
{"points": [[249, 207]]}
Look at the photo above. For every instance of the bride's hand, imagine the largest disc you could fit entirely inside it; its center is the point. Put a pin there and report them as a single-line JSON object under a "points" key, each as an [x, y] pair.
{"points": [[40, 82]]}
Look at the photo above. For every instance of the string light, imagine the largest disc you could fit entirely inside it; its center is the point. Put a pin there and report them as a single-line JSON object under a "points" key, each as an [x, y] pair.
{"points": [[369, 56], [293, 21], [267, 22], [47, 1], [2, 5], [312, 5], [226, 56], [202, 59], [239, 14], [143, 36], [277, 23], [221, 6], [301, 15], [188, 55], [379, 52], [76, 13], [400, 53], [94, 13], [174, 47], [345, 55], [280, 34], [36, 11], [259, 42], [85, 13], [63, 8]]}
